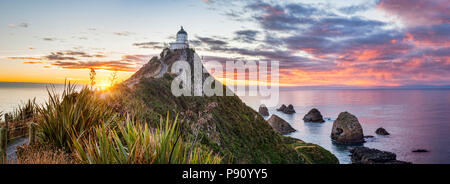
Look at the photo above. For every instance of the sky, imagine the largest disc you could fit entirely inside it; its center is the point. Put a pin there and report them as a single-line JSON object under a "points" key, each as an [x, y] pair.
{"points": [[318, 43]]}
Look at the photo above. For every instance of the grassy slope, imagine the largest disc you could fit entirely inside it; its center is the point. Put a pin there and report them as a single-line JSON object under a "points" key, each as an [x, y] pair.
{"points": [[243, 135], [238, 133]]}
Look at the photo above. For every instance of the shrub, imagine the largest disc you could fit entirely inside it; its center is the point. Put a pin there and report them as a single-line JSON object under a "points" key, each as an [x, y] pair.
{"points": [[136, 143], [40, 154], [71, 114], [23, 112]]}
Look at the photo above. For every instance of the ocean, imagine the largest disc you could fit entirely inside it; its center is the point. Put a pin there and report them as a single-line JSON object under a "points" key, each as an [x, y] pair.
{"points": [[416, 119]]}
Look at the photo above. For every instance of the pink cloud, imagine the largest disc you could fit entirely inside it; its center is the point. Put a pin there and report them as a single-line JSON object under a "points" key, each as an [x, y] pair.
{"points": [[418, 12]]}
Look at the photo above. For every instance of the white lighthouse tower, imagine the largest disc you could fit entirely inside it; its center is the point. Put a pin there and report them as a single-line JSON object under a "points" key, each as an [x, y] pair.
{"points": [[181, 42]]}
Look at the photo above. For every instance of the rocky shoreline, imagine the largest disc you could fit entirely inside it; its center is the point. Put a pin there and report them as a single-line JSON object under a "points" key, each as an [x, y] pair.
{"points": [[346, 130], [365, 155]]}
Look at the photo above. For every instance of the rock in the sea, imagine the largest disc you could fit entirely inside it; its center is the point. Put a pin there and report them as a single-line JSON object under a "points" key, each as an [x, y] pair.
{"points": [[368, 136], [313, 115], [347, 130], [282, 108], [263, 110], [381, 131], [364, 155], [420, 151], [280, 125], [289, 109]]}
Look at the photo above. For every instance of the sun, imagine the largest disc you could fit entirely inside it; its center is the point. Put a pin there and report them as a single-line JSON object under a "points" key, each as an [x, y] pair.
{"points": [[104, 85]]}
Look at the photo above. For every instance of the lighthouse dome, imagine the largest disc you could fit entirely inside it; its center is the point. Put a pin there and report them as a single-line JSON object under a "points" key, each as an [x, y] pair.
{"points": [[182, 31]]}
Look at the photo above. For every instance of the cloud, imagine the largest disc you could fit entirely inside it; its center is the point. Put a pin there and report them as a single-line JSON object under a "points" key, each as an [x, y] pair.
{"points": [[58, 56], [21, 25], [149, 45], [246, 35], [437, 35], [70, 55], [23, 58], [32, 62], [211, 41], [123, 33], [75, 60], [418, 12], [322, 44], [98, 65], [281, 17], [352, 9], [49, 39], [136, 58]]}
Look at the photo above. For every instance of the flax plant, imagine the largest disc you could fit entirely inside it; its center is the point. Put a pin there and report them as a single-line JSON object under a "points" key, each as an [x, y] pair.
{"points": [[71, 114], [135, 143]]}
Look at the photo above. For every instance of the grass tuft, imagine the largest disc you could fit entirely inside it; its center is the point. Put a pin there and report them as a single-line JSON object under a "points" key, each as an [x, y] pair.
{"points": [[71, 114], [135, 143]]}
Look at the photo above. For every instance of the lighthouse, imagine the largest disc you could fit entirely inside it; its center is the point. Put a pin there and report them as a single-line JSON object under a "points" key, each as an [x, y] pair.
{"points": [[182, 40]]}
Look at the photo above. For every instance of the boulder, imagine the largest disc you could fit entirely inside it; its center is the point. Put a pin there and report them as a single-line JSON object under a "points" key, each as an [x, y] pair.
{"points": [[280, 125], [282, 108], [381, 131], [263, 110], [313, 115], [347, 130], [289, 109], [364, 155]]}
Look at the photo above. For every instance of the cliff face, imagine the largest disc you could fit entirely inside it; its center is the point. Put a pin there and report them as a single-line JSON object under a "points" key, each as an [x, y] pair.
{"points": [[222, 123]]}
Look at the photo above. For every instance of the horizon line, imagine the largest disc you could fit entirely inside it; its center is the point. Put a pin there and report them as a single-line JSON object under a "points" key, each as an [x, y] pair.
{"points": [[318, 87]]}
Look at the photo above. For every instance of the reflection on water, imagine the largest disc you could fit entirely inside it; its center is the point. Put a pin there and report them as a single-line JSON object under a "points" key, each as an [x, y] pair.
{"points": [[416, 119]]}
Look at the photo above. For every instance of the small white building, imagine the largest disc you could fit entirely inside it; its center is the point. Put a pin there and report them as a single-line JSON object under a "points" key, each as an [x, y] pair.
{"points": [[182, 40]]}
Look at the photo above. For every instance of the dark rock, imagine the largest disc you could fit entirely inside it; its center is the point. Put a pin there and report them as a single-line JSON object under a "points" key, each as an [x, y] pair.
{"points": [[364, 155], [368, 136], [289, 109], [381, 131], [313, 115], [420, 151], [263, 110], [347, 130], [282, 108], [280, 125]]}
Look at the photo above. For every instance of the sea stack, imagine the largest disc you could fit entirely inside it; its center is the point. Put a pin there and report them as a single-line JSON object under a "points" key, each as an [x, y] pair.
{"points": [[313, 115], [282, 108], [381, 131], [263, 110], [280, 125], [347, 130], [287, 109]]}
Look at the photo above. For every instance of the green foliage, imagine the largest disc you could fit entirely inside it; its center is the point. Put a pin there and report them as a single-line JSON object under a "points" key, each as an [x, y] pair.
{"points": [[96, 131], [312, 153], [72, 114], [134, 143], [243, 135], [24, 112], [240, 135]]}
